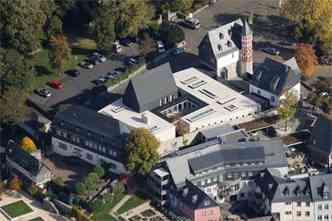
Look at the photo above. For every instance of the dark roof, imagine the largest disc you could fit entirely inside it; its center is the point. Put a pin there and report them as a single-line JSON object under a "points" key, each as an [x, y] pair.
{"points": [[275, 77], [144, 91], [222, 157], [322, 133], [279, 189], [89, 120], [321, 187], [194, 197]]}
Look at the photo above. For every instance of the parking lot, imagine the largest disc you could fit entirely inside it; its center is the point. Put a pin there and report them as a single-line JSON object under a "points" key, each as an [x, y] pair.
{"points": [[75, 89]]}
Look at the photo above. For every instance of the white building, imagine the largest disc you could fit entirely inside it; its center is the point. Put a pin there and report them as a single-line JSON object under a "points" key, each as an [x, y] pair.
{"points": [[273, 80], [228, 50]]}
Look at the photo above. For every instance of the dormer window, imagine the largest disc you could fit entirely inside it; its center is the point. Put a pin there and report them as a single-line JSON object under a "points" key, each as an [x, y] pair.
{"points": [[219, 47], [229, 31], [285, 191], [229, 43], [221, 36]]}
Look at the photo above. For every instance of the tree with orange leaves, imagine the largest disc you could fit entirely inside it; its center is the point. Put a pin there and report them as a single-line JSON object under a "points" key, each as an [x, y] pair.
{"points": [[306, 59], [15, 184], [60, 52]]}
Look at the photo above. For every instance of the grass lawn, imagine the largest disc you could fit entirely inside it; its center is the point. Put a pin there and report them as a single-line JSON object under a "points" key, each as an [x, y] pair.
{"points": [[133, 202], [102, 213], [36, 219], [17, 209]]}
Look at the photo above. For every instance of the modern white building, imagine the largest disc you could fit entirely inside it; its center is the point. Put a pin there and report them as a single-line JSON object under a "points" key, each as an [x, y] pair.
{"points": [[228, 50], [221, 104], [273, 80]]}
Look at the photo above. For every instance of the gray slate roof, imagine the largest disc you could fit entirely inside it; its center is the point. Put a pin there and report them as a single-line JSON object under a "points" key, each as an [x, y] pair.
{"points": [[276, 77], [144, 91], [321, 186], [322, 133], [89, 120]]}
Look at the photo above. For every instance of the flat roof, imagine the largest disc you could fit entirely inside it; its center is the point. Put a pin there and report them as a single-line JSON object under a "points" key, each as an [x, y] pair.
{"points": [[222, 101], [131, 118]]}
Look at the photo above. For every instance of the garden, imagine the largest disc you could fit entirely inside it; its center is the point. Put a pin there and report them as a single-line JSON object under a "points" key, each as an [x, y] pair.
{"points": [[16, 209]]}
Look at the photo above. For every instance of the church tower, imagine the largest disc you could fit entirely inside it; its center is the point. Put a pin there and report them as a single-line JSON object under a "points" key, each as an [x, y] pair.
{"points": [[246, 49]]}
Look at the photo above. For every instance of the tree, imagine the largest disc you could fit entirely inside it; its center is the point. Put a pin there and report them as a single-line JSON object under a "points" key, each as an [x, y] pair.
{"points": [[183, 6], [130, 16], [60, 52], [28, 145], [305, 32], [12, 106], [118, 188], [91, 181], [306, 59], [15, 71], [181, 128], [147, 46], [2, 189], [317, 13], [171, 34], [22, 24], [54, 26], [80, 189], [142, 151], [15, 184], [104, 29], [287, 108], [59, 181], [99, 171]]}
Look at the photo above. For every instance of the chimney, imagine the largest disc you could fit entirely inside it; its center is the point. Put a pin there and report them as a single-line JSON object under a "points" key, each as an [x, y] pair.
{"points": [[145, 118]]}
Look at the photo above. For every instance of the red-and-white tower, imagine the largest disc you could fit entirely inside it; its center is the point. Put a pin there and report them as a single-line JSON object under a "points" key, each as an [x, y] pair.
{"points": [[246, 49]]}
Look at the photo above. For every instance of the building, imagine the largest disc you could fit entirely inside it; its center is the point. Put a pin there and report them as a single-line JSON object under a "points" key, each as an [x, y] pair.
{"points": [[220, 169], [228, 50], [194, 204], [214, 104], [320, 144], [90, 136], [27, 166], [273, 80], [288, 199]]}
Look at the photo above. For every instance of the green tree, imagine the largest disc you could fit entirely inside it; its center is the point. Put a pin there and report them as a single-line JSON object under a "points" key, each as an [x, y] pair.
{"points": [[305, 32], [80, 189], [130, 16], [22, 24], [99, 171], [104, 29], [91, 181], [12, 106], [15, 71], [142, 151], [53, 26], [171, 34], [287, 108], [60, 52], [183, 6], [118, 188]]}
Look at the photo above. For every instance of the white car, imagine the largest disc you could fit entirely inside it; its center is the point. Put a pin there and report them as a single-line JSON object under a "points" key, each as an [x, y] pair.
{"points": [[161, 47], [192, 23], [117, 47]]}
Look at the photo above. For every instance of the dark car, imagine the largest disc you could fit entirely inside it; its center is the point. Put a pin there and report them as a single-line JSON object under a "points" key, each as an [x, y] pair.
{"points": [[120, 70], [87, 64], [100, 81], [131, 61], [43, 92], [272, 51], [125, 42], [73, 72]]}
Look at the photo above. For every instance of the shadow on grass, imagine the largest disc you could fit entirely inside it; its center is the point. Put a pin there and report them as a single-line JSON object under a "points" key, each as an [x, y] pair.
{"points": [[82, 51], [42, 70]]}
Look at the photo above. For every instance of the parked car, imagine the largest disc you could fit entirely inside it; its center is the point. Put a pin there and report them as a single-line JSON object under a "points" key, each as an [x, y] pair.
{"points": [[111, 75], [56, 84], [100, 80], [43, 92], [120, 70], [131, 61], [178, 51], [117, 47], [99, 57], [325, 60], [87, 65], [125, 42], [73, 72], [192, 23], [161, 47], [272, 51]]}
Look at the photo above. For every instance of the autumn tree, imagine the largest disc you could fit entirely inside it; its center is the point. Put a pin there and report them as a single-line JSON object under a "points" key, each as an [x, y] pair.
{"points": [[28, 145], [147, 46], [317, 13], [60, 52], [142, 151], [15, 184], [183, 6], [287, 108], [306, 59]]}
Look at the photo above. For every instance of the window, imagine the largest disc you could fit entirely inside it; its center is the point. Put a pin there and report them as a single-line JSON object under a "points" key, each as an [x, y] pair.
{"points": [[298, 204], [319, 217], [326, 217], [326, 206], [89, 156], [63, 146], [288, 212], [307, 213], [298, 213], [288, 203], [307, 204], [320, 207], [273, 99]]}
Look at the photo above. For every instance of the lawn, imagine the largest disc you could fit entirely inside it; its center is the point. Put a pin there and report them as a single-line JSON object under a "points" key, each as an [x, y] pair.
{"points": [[102, 214], [36, 219], [17, 209], [133, 202]]}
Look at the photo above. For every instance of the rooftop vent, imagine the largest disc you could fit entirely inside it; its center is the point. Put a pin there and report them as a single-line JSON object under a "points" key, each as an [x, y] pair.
{"points": [[270, 186], [275, 82]]}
